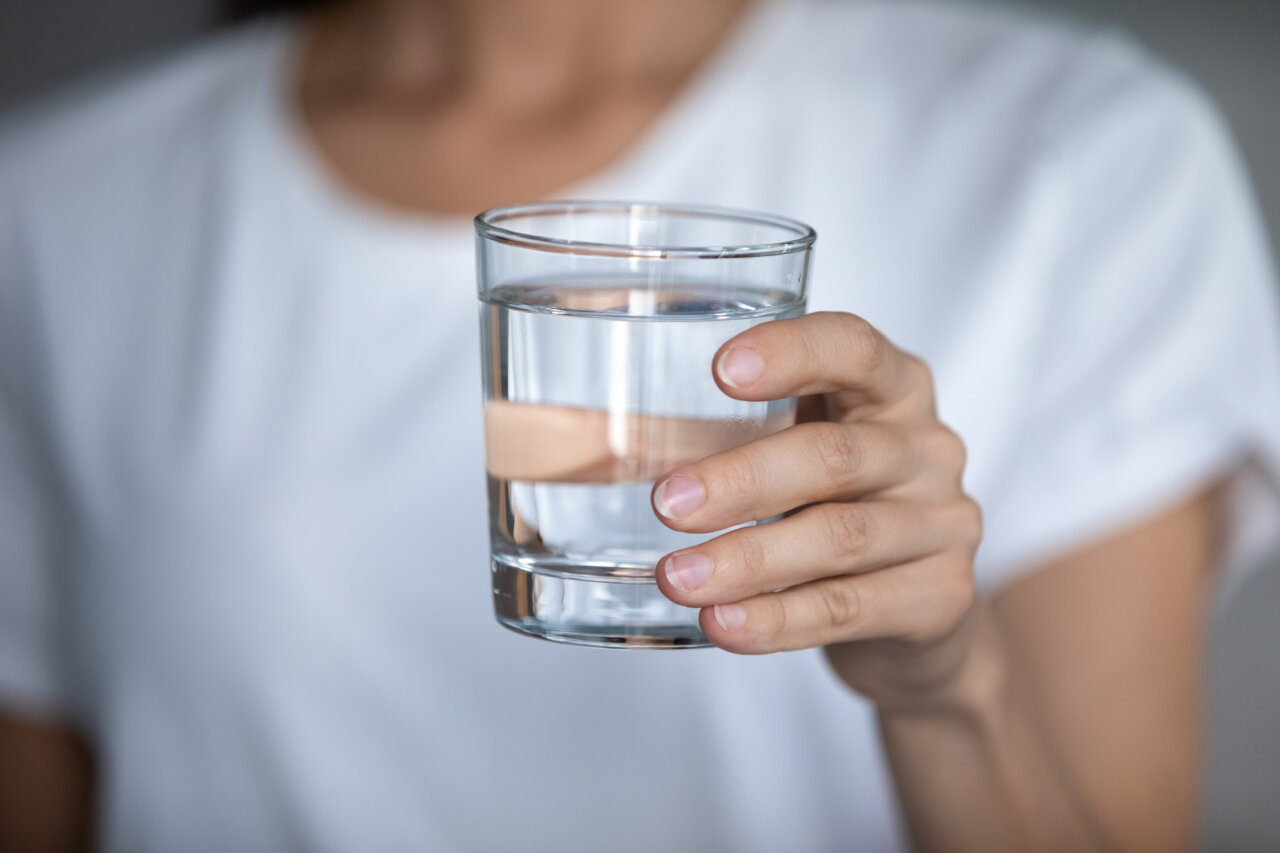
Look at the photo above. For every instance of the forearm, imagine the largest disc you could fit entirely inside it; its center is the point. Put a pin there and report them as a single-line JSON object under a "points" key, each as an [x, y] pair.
{"points": [[978, 770], [45, 787]]}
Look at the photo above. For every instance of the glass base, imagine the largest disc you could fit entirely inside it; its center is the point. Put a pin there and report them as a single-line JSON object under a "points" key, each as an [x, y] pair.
{"points": [[591, 609]]}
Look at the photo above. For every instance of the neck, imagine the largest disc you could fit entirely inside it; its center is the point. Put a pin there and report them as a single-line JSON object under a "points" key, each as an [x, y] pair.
{"points": [[520, 57]]}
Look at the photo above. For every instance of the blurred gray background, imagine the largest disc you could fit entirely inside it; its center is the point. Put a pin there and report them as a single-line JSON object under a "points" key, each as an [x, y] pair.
{"points": [[1231, 46]]}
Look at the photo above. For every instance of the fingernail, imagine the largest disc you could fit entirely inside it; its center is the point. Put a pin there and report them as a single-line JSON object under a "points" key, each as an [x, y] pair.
{"points": [[740, 366], [688, 571], [730, 616], [678, 496]]}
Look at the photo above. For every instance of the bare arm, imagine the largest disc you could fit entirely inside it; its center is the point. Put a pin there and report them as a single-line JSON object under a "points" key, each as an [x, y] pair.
{"points": [[45, 787], [1061, 716], [1078, 727]]}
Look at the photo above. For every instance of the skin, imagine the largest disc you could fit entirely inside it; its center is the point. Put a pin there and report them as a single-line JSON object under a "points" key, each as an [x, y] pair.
{"points": [[454, 107], [46, 786], [1027, 699], [1062, 713]]}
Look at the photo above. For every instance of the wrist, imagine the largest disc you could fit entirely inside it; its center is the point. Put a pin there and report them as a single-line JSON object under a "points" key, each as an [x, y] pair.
{"points": [[977, 690]]}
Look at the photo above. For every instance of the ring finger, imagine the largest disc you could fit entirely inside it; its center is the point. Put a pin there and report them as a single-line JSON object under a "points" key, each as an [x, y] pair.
{"points": [[820, 541]]}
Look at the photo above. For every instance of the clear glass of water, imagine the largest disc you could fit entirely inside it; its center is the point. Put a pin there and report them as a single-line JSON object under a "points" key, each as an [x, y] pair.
{"points": [[599, 322]]}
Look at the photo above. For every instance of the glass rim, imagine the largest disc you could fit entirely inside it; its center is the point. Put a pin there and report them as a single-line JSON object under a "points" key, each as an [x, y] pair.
{"points": [[487, 226]]}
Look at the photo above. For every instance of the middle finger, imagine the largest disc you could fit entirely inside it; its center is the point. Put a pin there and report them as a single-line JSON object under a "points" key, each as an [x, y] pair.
{"points": [[807, 463]]}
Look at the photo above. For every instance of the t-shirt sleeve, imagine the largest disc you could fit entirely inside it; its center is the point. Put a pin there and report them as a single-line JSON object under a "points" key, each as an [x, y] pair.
{"points": [[1157, 362], [31, 677]]}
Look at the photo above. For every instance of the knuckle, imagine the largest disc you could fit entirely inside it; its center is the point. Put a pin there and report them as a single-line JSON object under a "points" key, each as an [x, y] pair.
{"points": [[777, 624], [959, 451], [952, 594], [946, 449], [768, 626], [960, 589], [780, 619], [833, 446], [953, 582], [970, 522], [750, 559], [869, 347], [819, 330], [848, 530], [740, 473], [841, 605], [920, 380], [846, 333], [920, 372], [960, 579]]}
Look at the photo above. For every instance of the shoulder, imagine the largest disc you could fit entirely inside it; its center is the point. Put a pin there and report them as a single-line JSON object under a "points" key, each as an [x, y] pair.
{"points": [[82, 137], [101, 184], [985, 67]]}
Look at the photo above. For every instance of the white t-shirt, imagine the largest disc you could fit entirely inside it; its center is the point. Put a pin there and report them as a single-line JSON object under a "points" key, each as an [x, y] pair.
{"points": [[242, 512]]}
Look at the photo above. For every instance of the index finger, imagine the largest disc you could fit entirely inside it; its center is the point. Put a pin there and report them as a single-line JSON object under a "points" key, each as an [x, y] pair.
{"points": [[822, 353]]}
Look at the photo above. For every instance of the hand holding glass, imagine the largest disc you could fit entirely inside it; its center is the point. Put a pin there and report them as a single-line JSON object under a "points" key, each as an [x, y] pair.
{"points": [[599, 322]]}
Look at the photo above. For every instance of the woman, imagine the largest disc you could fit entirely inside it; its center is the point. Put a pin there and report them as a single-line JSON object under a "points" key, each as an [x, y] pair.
{"points": [[241, 495]]}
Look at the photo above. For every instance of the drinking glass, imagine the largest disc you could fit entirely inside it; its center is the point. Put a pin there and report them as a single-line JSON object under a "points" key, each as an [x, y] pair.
{"points": [[599, 322]]}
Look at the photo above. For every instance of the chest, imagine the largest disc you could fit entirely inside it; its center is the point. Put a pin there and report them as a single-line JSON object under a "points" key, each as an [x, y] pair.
{"points": [[240, 440]]}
